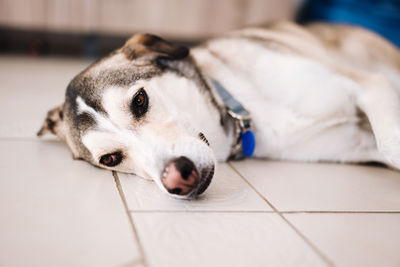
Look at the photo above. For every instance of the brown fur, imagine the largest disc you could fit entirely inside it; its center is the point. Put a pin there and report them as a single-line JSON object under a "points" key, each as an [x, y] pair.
{"points": [[146, 44], [332, 45], [53, 123]]}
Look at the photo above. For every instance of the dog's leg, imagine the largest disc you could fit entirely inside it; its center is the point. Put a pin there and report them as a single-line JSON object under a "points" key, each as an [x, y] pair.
{"points": [[379, 100]]}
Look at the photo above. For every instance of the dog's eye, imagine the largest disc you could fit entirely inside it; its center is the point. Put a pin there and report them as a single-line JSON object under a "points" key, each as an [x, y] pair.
{"points": [[140, 99], [140, 103], [111, 159]]}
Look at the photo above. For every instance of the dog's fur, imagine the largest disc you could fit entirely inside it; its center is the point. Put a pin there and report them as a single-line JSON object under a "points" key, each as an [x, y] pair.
{"points": [[316, 93]]}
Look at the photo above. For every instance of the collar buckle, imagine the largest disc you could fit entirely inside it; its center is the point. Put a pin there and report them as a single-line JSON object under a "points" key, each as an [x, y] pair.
{"points": [[244, 139], [244, 143]]}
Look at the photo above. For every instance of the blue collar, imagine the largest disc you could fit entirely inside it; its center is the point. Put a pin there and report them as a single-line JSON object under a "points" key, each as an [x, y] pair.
{"points": [[245, 142]]}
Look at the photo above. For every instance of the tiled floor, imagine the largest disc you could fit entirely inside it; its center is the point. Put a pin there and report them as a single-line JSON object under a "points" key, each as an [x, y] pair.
{"points": [[59, 212]]}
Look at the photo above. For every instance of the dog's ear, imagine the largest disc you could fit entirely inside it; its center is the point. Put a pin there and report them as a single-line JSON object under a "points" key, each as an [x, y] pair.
{"points": [[54, 123], [148, 46]]}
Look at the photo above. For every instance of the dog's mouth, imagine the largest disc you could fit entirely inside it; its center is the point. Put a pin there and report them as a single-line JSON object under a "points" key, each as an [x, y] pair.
{"points": [[204, 183]]}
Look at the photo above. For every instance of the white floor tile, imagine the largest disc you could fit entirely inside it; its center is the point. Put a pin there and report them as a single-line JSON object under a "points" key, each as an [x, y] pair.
{"points": [[209, 239], [59, 212], [29, 87], [353, 239], [326, 187], [227, 192]]}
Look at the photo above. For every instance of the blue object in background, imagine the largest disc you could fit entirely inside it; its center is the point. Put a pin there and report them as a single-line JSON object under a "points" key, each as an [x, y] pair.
{"points": [[381, 16], [91, 46]]}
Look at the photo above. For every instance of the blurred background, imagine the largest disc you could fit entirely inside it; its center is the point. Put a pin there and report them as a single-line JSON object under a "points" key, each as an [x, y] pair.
{"points": [[92, 28], [60, 212]]}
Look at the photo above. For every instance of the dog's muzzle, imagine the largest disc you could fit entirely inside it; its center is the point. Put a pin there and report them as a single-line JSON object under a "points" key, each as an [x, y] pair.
{"points": [[180, 177]]}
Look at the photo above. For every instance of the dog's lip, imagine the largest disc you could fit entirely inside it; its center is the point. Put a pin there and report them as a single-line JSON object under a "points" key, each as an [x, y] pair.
{"points": [[205, 182]]}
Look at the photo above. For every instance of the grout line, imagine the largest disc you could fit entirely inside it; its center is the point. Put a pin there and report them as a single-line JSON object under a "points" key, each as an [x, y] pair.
{"points": [[339, 212], [202, 211], [33, 139], [314, 247], [22, 139], [302, 236], [135, 232], [267, 211]]}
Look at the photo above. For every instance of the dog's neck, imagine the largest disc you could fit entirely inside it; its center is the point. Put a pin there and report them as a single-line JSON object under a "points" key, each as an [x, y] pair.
{"points": [[243, 143], [236, 140]]}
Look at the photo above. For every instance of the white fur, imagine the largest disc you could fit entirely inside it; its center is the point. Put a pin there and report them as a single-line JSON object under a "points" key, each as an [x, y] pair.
{"points": [[164, 134], [303, 108]]}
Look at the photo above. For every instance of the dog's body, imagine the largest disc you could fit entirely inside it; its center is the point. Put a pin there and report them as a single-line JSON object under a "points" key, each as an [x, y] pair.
{"points": [[321, 93]]}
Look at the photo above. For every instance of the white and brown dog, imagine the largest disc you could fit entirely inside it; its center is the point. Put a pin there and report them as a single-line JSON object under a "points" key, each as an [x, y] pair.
{"points": [[315, 93]]}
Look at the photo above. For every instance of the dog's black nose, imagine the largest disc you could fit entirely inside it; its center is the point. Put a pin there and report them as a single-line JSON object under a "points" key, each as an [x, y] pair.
{"points": [[185, 166], [180, 176]]}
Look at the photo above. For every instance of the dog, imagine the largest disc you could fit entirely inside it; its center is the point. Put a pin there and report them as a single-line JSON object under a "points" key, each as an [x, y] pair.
{"points": [[303, 93]]}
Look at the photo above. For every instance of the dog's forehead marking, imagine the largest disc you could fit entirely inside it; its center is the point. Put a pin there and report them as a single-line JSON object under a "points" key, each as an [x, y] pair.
{"points": [[102, 121], [114, 62], [106, 135], [116, 101]]}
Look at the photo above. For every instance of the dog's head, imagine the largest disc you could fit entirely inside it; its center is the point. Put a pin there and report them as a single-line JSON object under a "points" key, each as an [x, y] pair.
{"points": [[140, 110]]}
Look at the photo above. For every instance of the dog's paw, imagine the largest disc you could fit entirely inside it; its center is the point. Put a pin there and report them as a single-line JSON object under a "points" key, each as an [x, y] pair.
{"points": [[390, 149]]}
